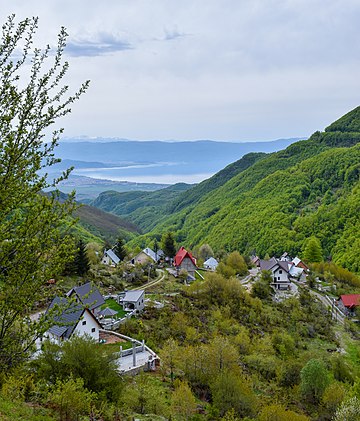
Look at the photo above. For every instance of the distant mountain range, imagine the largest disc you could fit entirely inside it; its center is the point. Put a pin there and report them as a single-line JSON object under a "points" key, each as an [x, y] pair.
{"points": [[141, 165]]}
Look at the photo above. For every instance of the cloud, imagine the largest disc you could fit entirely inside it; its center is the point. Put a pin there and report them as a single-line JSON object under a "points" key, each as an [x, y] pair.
{"points": [[173, 33], [103, 43]]}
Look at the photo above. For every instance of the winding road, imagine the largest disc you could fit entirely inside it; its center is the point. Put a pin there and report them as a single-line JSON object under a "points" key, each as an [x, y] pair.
{"points": [[159, 279]]}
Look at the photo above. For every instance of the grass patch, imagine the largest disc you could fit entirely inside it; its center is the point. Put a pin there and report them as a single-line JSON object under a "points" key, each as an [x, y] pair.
{"points": [[19, 411], [115, 347], [353, 353], [111, 303]]}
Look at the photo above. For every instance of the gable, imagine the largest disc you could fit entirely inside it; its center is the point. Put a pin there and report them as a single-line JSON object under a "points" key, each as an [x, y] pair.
{"points": [[181, 255], [88, 295]]}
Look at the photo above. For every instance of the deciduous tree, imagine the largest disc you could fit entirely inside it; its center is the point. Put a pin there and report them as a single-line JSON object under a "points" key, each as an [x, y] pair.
{"points": [[32, 246], [313, 252], [314, 380], [183, 402]]}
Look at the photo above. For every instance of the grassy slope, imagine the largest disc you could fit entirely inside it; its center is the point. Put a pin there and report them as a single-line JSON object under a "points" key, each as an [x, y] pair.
{"points": [[16, 411]]}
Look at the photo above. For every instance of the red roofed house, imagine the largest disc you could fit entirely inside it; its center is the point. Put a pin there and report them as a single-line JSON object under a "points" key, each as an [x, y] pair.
{"points": [[184, 260], [348, 303]]}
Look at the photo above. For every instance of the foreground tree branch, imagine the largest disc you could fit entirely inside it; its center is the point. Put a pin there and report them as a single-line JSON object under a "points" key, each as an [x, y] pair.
{"points": [[34, 243]]}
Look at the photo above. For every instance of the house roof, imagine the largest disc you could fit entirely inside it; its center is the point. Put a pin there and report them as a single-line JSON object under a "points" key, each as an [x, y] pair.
{"points": [[107, 311], [350, 300], [211, 262], [268, 264], [296, 260], [68, 318], [133, 296], [154, 256], [295, 271], [273, 262], [112, 256], [181, 255], [88, 295]]}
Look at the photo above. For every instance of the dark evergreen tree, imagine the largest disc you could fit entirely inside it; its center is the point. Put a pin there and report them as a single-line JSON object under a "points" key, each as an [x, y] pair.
{"points": [[81, 261], [155, 245], [119, 249], [168, 244]]}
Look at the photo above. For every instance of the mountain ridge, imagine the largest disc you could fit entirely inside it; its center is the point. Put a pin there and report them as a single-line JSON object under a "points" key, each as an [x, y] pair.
{"points": [[277, 202]]}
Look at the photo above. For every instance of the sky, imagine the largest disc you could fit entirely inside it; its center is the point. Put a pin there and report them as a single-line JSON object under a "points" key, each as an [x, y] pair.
{"points": [[230, 70]]}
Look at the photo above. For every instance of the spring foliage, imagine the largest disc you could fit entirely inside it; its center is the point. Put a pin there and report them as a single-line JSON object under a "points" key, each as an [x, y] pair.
{"points": [[32, 246]]}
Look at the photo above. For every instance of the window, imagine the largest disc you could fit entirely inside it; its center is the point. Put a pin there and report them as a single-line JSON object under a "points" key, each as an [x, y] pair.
{"points": [[278, 278], [93, 330], [280, 271], [84, 322]]}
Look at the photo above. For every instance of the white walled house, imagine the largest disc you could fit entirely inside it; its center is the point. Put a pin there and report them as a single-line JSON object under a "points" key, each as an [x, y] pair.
{"points": [[133, 300], [72, 319], [280, 272], [110, 258]]}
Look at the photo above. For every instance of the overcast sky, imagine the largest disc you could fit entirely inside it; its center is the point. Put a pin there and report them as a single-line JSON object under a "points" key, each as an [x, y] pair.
{"points": [[205, 69]]}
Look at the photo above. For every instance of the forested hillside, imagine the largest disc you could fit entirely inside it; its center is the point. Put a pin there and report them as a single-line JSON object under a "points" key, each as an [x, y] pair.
{"points": [[310, 188], [144, 209], [105, 225]]}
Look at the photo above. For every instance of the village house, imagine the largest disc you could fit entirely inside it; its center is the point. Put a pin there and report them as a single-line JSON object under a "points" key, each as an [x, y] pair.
{"points": [[300, 264], [348, 303], [87, 295], [211, 264], [185, 261], [74, 319], [132, 300], [147, 255], [280, 272], [110, 258]]}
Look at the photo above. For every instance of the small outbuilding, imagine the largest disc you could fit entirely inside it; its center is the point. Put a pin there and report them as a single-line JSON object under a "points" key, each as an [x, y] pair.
{"points": [[211, 264], [107, 312]]}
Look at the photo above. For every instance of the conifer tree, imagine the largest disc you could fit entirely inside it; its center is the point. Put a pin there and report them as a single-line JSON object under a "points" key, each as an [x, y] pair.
{"points": [[168, 244], [32, 246], [81, 261], [119, 249]]}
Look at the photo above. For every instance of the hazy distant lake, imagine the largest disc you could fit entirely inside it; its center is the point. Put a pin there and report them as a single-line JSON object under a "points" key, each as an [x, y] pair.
{"points": [[155, 161], [161, 172]]}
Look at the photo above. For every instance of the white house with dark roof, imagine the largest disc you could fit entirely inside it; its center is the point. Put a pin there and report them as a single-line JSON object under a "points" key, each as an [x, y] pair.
{"points": [[280, 271], [133, 300], [88, 295], [71, 319], [110, 258]]}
